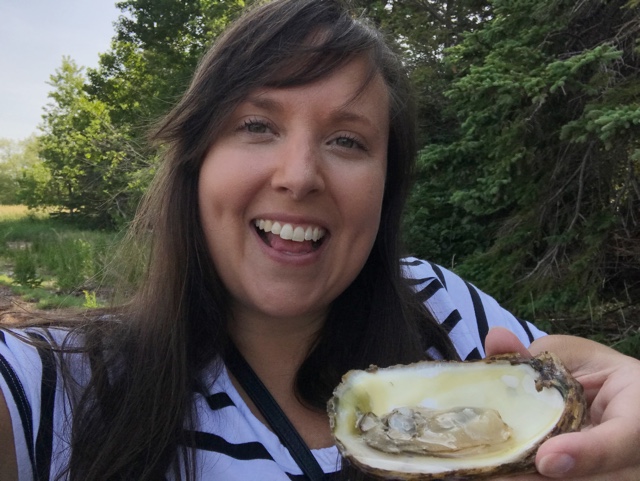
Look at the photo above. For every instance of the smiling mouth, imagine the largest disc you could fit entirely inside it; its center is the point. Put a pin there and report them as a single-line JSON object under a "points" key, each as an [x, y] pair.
{"points": [[272, 232]]}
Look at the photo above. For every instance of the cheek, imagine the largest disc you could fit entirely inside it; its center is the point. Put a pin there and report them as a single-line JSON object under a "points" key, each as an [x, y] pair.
{"points": [[207, 185], [365, 198], [215, 202], [221, 185]]}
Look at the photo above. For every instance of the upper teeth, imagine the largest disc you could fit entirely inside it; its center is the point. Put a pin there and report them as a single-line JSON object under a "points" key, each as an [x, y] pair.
{"points": [[291, 232]]}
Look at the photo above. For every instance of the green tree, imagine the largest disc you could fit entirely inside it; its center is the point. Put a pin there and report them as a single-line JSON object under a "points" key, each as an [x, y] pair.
{"points": [[87, 163], [96, 161], [422, 30], [15, 157], [539, 181], [153, 55]]}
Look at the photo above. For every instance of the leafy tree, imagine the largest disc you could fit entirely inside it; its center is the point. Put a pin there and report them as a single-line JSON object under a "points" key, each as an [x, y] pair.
{"points": [[15, 157], [155, 51], [423, 29], [96, 162], [539, 182], [86, 161]]}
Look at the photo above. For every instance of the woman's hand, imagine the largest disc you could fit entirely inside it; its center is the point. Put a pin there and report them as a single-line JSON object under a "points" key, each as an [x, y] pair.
{"points": [[607, 449]]}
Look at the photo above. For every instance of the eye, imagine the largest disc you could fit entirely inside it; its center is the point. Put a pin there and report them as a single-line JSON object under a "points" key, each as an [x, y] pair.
{"points": [[256, 126], [349, 142]]}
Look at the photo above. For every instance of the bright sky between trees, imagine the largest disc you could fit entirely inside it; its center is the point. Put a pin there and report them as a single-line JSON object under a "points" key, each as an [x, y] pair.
{"points": [[34, 36]]}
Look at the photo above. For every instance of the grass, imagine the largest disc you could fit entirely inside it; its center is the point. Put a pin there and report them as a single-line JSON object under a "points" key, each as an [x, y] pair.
{"points": [[51, 262], [15, 212]]}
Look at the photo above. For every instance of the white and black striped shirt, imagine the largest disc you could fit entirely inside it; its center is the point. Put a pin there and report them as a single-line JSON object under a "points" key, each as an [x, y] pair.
{"points": [[230, 442]]}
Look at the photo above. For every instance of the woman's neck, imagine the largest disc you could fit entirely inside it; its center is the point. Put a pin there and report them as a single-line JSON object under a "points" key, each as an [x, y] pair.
{"points": [[274, 346], [275, 349]]}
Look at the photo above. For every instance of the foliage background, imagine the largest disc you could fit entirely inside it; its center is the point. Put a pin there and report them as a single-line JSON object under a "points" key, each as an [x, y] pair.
{"points": [[529, 113]]}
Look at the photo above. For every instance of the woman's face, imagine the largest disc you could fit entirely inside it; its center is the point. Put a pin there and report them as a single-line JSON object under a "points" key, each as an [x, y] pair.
{"points": [[291, 191]]}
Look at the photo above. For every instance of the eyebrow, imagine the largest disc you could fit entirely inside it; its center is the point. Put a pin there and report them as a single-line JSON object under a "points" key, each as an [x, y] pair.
{"points": [[265, 103]]}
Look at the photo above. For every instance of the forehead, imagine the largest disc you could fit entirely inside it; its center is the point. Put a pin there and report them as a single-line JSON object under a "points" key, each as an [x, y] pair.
{"points": [[350, 91]]}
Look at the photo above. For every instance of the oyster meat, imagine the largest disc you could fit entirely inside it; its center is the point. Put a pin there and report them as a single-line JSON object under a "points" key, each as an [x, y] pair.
{"points": [[454, 420], [445, 432]]}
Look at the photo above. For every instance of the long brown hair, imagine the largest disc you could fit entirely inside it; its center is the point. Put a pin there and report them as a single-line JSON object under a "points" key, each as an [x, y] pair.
{"points": [[129, 422]]}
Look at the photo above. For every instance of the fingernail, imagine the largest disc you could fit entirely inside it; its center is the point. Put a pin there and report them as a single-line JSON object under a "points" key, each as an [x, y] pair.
{"points": [[556, 464]]}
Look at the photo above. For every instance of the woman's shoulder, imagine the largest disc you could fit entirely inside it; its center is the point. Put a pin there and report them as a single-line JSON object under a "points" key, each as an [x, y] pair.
{"points": [[466, 312], [26, 354], [30, 386], [32, 339], [36, 356], [61, 333], [44, 369]]}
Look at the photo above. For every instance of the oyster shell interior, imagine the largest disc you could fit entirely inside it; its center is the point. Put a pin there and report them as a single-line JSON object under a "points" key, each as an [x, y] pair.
{"points": [[452, 419]]}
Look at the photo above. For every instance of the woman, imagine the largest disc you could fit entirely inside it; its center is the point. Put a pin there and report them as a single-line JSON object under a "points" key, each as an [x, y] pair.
{"points": [[274, 225]]}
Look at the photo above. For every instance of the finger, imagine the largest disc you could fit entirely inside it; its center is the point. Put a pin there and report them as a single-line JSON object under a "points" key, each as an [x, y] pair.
{"points": [[500, 340], [606, 448]]}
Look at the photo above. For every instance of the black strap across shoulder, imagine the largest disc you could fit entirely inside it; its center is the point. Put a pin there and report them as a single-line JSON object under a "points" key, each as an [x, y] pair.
{"points": [[277, 419]]}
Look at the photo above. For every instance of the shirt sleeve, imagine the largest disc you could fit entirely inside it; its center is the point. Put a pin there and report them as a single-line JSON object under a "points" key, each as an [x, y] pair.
{"points": [[462, 309], [20, 381], [29, 382]]}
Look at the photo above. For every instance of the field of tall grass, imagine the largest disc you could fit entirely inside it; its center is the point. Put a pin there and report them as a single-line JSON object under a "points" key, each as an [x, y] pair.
{"points": [[52, 262]]}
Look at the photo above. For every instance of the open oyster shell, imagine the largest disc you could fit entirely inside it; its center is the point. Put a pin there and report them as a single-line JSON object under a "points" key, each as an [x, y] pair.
{"points": [[451, 420]]}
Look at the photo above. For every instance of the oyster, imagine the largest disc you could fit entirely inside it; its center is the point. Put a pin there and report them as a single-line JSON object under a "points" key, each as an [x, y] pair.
{"points": [[450, 420]]}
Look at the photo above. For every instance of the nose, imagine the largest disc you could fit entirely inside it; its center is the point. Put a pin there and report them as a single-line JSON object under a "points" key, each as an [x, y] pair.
{"points": [[299, 168]]}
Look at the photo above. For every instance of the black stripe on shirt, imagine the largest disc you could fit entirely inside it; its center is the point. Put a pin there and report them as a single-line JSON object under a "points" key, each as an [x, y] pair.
{"points": [[4, 341], [414, 263], [527, 330], [451, 321], [44, 440], [414, 282], [22, 403], [439, 273], [473, 355], [425, 294], [218, 400], [217, 444], [335, 476], [481, 316]]}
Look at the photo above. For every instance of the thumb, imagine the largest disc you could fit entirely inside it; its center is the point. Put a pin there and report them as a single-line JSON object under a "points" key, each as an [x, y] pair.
{"points": [[500, 341], [602, 449]]}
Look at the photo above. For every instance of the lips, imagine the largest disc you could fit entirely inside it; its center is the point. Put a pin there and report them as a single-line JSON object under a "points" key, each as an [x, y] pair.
{"points": [[273, 232]]}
